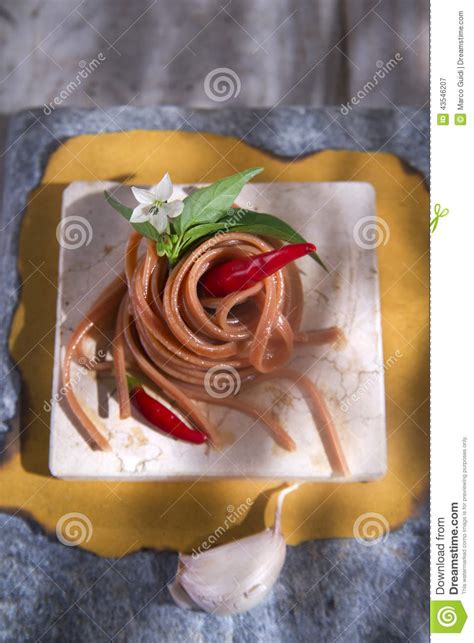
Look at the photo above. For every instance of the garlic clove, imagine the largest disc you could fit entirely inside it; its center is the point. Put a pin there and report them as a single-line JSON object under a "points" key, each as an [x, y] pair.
{"points": [[180, 597], [234, 577]]}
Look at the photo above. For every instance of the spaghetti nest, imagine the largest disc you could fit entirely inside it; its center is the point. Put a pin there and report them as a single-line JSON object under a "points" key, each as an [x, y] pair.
{"points": [[167, 328]]}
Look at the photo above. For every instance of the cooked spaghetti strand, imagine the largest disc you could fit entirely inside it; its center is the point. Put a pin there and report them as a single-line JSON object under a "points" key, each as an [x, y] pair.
{"points": [[167, 328]]}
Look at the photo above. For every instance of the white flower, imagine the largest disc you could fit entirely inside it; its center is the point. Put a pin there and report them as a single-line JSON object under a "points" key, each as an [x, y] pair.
{"points": [[153, 205]]}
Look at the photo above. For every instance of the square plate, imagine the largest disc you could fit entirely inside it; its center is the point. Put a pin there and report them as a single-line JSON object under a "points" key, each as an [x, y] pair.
{"points": [[336, 217]]}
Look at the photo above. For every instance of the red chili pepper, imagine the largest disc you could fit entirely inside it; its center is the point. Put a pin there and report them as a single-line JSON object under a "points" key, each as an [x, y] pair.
{"points": [[161, 417], [240, 274]]}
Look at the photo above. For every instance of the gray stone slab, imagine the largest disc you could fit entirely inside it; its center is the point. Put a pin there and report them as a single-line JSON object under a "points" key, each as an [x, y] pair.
{"points": [[329, 589]]}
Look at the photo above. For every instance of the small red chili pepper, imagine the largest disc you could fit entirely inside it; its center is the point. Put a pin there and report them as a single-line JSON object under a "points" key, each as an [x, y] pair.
{"points": [[160, 416], [240, 274]]}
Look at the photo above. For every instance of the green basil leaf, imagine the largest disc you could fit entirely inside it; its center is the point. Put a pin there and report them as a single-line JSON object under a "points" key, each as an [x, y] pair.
{"points": [[270, 226], [247, 221], [145, 229], [200, 231], [209, 204]]}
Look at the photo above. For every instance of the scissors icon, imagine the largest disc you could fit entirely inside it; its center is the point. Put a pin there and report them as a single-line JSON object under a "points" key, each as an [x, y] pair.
{"points": [[439, 214]]}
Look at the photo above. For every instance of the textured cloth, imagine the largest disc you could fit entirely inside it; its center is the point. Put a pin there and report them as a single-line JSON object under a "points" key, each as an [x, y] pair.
{"points": [[337, 590]]}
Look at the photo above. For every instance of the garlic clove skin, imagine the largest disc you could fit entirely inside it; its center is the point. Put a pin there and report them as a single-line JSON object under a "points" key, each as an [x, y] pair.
{"points": [[181, 597], [234, 577]]}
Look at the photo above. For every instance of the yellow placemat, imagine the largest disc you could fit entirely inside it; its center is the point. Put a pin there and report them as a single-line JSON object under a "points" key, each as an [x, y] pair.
{"points": [[127, 516]]}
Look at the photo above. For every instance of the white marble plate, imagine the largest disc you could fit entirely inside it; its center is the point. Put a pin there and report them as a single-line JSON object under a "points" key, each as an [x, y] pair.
{"points": [[332, 215]]}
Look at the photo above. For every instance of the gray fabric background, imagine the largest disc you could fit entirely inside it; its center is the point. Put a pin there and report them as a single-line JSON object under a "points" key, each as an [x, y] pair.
{"points": [[328, 591]]}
